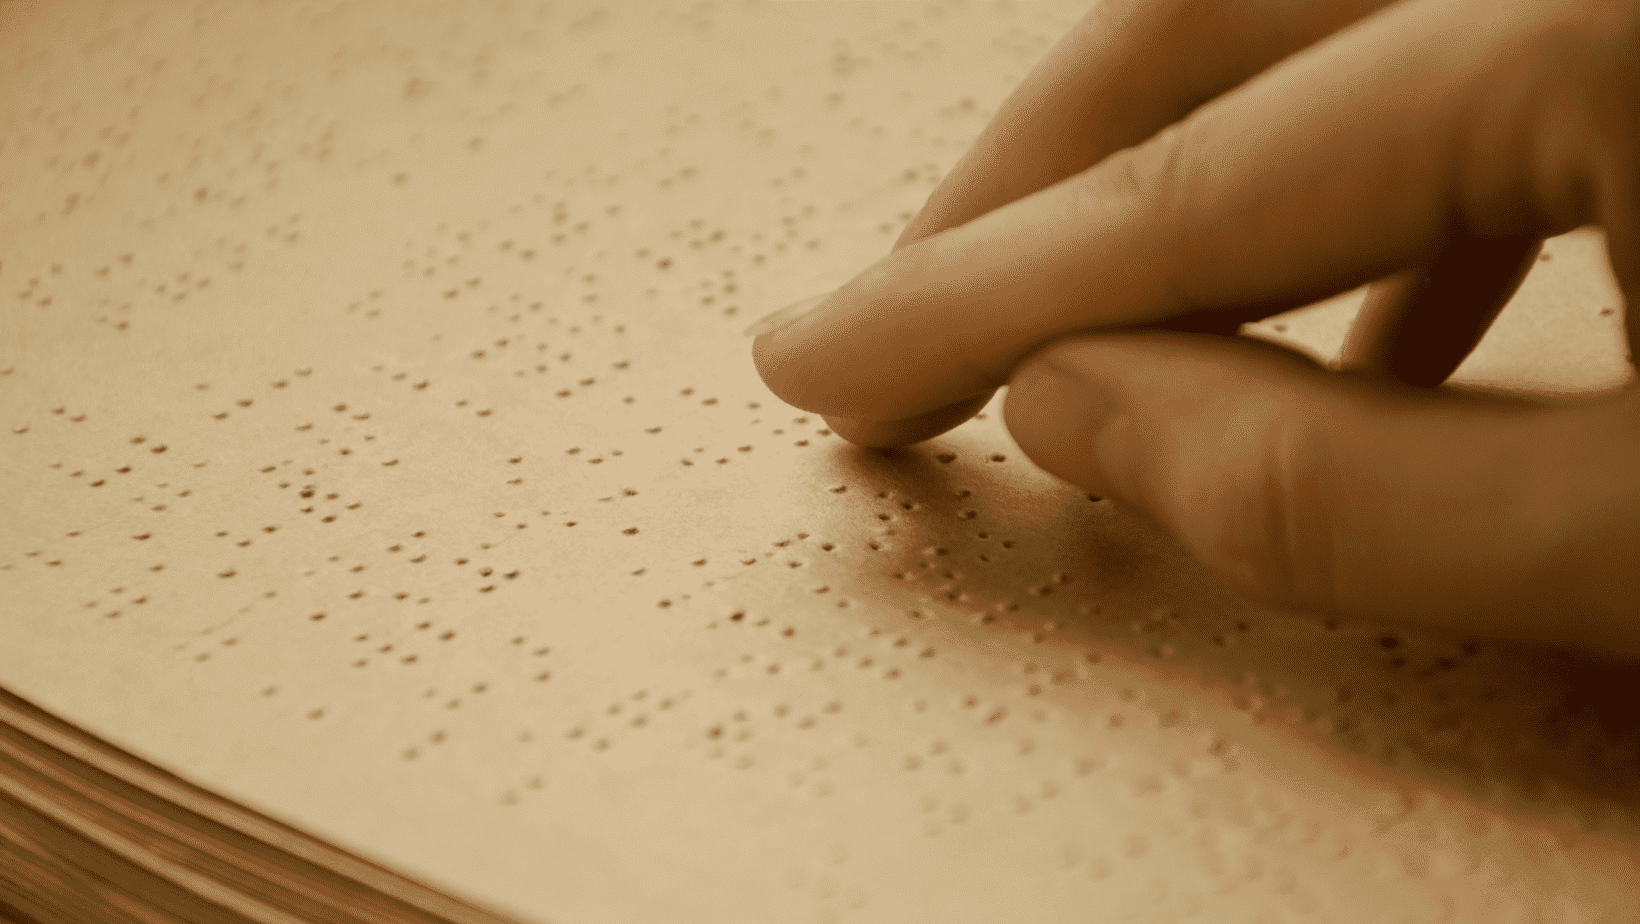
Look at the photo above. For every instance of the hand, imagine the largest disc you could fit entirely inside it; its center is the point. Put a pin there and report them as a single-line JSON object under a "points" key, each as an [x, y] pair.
{"points": [[1173, 169]]}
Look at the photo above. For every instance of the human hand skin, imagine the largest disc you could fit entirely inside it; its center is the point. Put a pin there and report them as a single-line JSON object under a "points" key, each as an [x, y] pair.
{"points": [[1172, 169]]}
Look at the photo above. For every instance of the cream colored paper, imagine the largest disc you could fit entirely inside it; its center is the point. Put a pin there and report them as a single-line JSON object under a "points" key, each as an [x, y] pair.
{"points": [[380, 449]]}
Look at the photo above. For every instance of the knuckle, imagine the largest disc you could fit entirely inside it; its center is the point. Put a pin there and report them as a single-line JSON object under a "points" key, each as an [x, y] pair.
{"points": [[1276, 538], [1147, 187]]}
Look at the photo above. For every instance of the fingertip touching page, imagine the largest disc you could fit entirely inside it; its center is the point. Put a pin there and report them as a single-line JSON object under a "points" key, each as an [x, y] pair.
{"points": [[381, 450]]}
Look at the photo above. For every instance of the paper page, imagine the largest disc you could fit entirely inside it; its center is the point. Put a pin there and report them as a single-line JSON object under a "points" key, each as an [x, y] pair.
{"points": [[381, 449]]}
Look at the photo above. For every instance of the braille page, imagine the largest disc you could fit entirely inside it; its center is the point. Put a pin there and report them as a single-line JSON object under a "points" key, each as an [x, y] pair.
{"points": [[381, 450]]}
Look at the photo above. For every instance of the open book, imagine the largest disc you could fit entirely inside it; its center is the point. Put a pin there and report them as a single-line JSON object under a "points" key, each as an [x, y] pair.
{"points": [[393, 526]]}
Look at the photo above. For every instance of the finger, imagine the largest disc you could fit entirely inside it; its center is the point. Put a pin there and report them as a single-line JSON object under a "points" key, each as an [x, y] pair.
{"points": [[1419, 325], [888, 433], [1327, 494], [1350, 160], [1127, 70]]}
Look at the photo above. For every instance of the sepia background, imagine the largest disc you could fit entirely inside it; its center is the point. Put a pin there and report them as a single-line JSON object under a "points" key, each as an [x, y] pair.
{"points": [[380, 449]]}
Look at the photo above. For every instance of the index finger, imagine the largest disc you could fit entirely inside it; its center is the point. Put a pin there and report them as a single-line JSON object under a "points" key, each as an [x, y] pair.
{"points": [[1350, 160], [1126, 70]]}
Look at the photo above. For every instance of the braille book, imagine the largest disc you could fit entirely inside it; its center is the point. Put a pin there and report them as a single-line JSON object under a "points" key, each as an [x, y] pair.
{"points": [[393, 526]]}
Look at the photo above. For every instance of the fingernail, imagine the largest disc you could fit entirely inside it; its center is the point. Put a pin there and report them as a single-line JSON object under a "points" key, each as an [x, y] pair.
{"points": [[785, 316]]}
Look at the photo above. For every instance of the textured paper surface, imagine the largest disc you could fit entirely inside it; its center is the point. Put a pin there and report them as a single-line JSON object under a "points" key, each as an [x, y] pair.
{"points": [[380, 449]]}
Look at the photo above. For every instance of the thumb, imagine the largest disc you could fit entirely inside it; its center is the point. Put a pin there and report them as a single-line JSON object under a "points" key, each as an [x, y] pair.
{"points": [[1335, 494]]}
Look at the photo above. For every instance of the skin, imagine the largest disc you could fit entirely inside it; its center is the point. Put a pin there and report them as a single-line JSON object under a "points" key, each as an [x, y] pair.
{"points": [[1172, 169]]}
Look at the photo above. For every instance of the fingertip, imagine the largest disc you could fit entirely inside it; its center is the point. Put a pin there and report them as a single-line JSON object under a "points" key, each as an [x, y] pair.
{"points": [[889, 434], [775, 368], [1056, 416], [871, 434]]}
